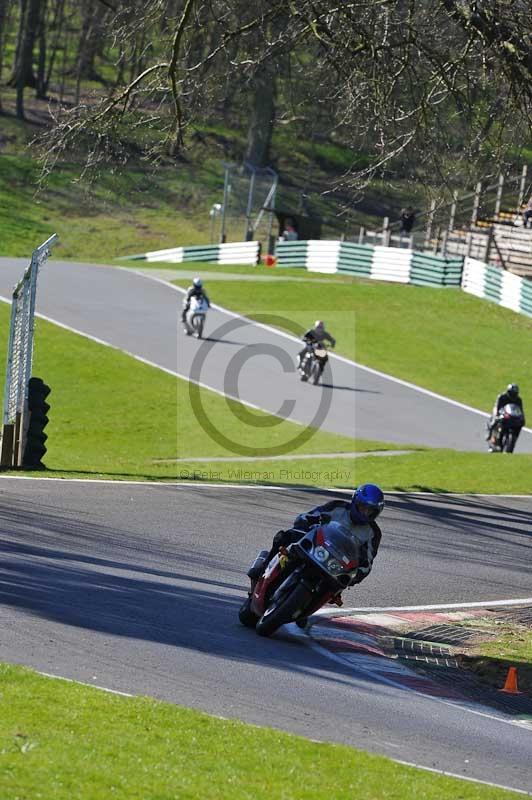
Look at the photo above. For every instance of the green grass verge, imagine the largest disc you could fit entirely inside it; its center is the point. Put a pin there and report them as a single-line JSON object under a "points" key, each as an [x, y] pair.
{"points": [[441, 339], [123, 212], [233, 269], [62, 740], [112, 415], [427, 471], [511, 648]]}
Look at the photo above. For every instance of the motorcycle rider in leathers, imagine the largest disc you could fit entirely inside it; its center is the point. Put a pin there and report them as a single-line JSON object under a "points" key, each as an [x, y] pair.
{"points": [[317, 334], [511, 395], [196, 290], [357, 515]]}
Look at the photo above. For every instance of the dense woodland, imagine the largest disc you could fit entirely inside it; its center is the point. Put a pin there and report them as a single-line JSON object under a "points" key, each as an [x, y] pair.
{"points": [[433, 85]]}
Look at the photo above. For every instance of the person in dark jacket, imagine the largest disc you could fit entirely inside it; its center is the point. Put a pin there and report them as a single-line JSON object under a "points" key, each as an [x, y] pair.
{"points": [[317, 334], [407, 218], [511, 395], [196, 290], [358, 515]]}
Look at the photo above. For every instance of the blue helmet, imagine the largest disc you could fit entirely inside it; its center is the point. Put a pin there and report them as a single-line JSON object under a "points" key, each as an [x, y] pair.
{"points": [[366, 504]]}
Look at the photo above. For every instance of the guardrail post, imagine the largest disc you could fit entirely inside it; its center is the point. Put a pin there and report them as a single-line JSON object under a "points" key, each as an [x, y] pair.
{"points": [[361, 235], [437, 240], [487, 247], [453, 210], [476, 203], [522, 188], [430, 222], [444, 243], [469, 242], [498, 197], [386, 232]]}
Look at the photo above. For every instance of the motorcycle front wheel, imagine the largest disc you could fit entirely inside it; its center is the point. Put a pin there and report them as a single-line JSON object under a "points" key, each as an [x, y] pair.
{"points": [[284, 610]]}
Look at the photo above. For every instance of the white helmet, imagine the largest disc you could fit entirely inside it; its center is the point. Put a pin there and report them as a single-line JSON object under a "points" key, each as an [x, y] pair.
{"points": [[197, 283], [319, 323]]}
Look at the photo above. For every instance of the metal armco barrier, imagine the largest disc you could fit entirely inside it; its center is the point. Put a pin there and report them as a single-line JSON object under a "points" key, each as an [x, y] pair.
{"points": [[497, 285], [19, 359], [369, 261], [407, 266], [230, 253]]}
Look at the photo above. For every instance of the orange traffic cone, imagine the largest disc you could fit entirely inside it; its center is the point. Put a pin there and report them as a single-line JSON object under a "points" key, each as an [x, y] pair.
{"points": [[510, 686]]}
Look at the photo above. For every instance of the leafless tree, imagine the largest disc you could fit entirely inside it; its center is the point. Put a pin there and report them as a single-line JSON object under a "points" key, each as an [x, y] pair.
{"points": [[423, 83]]}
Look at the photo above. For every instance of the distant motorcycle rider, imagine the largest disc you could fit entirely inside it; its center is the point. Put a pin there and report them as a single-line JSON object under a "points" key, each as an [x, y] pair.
{"points": [[357, 515], [196, 290], [315, 335], [511, 395]]}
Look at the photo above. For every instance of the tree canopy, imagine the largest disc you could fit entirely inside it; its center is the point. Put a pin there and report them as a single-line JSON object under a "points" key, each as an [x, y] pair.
{"points": [[437, 84]]}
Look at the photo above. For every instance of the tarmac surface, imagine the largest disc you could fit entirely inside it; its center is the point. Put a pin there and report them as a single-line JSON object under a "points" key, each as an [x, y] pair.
{"points": [[256, 364], [137, 588]]}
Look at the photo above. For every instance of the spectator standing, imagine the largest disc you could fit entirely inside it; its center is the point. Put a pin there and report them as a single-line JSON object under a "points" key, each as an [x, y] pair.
{"points": [[408, 217], [289, 234], [527, 213]]}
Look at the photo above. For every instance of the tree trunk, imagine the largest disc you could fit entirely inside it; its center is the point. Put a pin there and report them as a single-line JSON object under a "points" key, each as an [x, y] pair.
{"points": [[41, 61], [56, 28], [89, 42], [3, 18], [23, 74], [262, 117]]}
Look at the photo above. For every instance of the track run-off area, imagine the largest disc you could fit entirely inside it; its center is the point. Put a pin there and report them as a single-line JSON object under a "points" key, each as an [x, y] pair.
{"points": [[136, 587], [138, 313]]}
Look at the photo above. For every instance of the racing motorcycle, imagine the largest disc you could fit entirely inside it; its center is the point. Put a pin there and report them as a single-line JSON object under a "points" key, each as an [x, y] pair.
{"points": [[301, 578], [195, 316], [313, 363], [508, 423]]}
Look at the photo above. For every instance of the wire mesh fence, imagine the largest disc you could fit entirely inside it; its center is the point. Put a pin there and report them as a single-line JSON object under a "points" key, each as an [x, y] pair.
{"points": [[20, 356]]}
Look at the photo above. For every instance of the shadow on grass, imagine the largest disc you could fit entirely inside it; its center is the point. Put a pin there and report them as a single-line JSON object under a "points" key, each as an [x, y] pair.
{"points": [[493, 672]]}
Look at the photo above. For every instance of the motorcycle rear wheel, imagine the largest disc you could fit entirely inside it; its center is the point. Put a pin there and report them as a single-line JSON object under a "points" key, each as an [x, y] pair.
{"points": [[246, 615], [197, 324], [509, 444], [316, 373], [284, 610]]}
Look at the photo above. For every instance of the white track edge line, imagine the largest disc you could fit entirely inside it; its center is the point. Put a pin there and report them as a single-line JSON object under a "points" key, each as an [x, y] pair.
{"points": [[462, 705], [143, 360], [395, 760], [372, 371], [83, 683], [434, 607], [460, 777], [257, 487]]}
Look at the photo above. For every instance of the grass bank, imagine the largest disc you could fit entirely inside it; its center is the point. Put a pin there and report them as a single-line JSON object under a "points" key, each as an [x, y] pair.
{"points": [[65, 740], [114, 416], [512, 647], [423, 471], [442, 339]]}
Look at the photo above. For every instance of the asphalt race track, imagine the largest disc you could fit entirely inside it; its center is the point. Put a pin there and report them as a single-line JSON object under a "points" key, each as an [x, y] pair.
{"points": [[139, 314], [137, 587]]}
